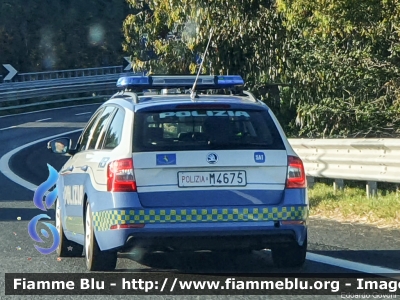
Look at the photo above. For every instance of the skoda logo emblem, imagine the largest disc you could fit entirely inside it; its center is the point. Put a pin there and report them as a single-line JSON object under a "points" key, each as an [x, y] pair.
{"points": [[212, 158]]}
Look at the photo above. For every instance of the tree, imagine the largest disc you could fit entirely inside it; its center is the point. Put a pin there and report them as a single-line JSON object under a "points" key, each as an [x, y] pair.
{"points": [[344, 65], [53, 35], [248, 39], [340, 60]]}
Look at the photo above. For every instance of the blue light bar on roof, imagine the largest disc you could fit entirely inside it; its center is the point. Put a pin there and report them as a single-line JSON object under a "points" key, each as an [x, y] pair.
{"points": [[180, 81], [140, 81], [230, 80]]}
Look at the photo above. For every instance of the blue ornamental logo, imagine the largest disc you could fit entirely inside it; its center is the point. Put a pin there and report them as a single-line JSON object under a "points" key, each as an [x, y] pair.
{"points": [[48, 203]]}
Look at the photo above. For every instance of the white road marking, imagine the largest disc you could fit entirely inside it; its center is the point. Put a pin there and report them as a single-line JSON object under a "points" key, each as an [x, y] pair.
{"points": [[53, 124], [7, 127], [85, 113], [5, 169], [38, 111], [48, 124], [43, 120], [346, 264]]}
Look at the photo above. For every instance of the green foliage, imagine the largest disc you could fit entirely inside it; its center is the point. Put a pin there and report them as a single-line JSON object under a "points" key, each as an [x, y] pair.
{"points": [[344, 66], [352, 205], [339, 60], [248, 39]]}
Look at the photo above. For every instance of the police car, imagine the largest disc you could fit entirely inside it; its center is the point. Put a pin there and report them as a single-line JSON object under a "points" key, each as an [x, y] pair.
{"points": [[172, 171]]}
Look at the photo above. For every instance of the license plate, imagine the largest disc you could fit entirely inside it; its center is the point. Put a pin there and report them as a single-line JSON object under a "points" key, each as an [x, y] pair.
{"points": [[204, 179]]}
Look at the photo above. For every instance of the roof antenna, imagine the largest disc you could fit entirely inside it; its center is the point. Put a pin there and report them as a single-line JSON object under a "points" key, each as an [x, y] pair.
{"points": [[193, 93]]}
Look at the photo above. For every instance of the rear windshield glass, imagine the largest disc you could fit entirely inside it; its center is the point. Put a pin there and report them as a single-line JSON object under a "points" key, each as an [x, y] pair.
{"points": [[168, 130]]}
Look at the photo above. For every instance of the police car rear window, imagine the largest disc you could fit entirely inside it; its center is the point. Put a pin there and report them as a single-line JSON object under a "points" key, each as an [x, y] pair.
{"points": [[234, 129]]}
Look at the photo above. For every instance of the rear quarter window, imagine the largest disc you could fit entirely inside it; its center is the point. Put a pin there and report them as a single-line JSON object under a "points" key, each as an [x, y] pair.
{"points": [[235, 129]]}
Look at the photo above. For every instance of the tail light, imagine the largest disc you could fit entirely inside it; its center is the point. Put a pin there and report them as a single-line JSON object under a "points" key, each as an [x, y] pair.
{"points": [[296, 177], [120, 177]]}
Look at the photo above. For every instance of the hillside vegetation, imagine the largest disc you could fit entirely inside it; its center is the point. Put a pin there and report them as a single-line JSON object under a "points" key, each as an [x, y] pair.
{"points": [[39, 36]]}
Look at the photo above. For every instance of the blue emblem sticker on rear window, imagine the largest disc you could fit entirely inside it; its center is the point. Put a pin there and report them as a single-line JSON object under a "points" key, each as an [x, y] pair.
{"points": [[259, 157], [166, 159]]}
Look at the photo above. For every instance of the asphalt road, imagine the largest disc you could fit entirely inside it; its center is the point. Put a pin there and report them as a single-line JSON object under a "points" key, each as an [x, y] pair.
{"points": [[370, 247]]}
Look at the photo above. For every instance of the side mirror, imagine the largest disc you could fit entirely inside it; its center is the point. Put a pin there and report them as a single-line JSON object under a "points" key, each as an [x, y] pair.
{"points": [[60, 145]]}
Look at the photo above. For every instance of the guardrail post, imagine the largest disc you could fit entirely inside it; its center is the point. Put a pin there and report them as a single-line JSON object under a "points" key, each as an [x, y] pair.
{"points": [[372, 188], [310, 182], [338, 185]]}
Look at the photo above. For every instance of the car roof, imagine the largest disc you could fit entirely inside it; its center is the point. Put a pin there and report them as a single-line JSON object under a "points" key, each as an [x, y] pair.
{"points": [[126, 99]]}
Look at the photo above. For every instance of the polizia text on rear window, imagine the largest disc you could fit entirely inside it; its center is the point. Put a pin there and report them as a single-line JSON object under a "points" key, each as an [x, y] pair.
{"points": [[167, 130]]}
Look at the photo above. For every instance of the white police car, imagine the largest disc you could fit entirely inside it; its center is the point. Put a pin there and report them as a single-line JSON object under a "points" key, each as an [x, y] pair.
{"points": [[184, 172]]}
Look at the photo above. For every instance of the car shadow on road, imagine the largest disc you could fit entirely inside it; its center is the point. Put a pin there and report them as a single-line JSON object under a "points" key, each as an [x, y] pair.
{"points": [[257, 263], [223, 263]]}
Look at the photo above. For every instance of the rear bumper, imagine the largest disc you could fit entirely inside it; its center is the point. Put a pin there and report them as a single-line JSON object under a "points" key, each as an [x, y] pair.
{"points": [[241, 240], [209, 236]]}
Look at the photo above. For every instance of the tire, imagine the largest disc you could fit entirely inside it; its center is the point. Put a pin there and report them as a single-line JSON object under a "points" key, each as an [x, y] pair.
{"points": [[96, 260], [66, 248], [289, 256]]}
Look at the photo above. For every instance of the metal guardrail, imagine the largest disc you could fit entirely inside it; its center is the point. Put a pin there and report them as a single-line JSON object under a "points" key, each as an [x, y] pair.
{"points": [[57, 90], [368, 160], [71, 81], [57, 82], [68, 73]]}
